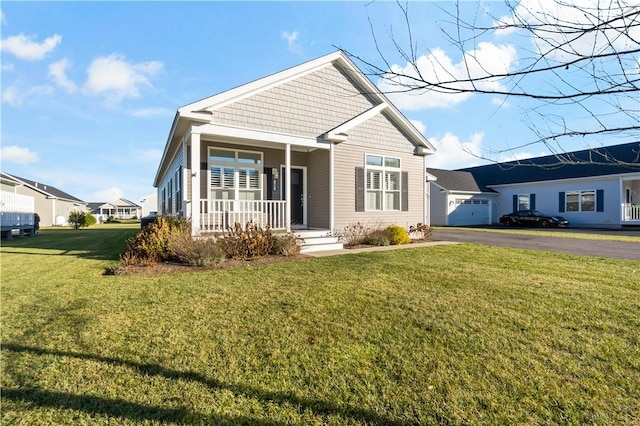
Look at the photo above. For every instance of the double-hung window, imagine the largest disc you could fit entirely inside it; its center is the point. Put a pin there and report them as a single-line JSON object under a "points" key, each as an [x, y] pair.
{"points": [[581, 201], [383, 186], [523, 202], [235, 175]]}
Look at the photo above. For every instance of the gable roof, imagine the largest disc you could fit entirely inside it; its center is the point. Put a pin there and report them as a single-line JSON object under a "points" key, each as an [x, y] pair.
{"points": [[455, 180], [611, 160], [201, 112], [47, 190], [120, 202]]}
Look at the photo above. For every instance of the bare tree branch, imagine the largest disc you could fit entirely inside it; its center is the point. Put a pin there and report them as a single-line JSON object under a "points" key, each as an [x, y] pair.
{"points": [[586, 53]]}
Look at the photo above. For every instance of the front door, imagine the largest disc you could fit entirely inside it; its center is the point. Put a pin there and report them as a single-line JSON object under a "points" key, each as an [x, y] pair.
{"points": [[297, 195]]}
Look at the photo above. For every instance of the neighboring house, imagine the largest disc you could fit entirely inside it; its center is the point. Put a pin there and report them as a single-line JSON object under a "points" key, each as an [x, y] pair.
{"points": [[605, 193], [149, 204], [17, 212], [458, 199], [315, 146], [118, 209], [52, 205]]}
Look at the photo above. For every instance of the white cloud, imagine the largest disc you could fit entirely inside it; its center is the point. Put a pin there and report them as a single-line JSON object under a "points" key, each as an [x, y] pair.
{"points": [[14, 97], [292, 39], [501, 102], [41, 90], [437, 67], [11, 96], [57, 72], [419, 125], [552, 16], [15, 154], [118, 79], [453, 153], [24, 47], [153, 112], [107, 194]]}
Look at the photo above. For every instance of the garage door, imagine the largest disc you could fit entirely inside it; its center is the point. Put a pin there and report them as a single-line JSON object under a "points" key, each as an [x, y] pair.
{"points": [[470, 212]]}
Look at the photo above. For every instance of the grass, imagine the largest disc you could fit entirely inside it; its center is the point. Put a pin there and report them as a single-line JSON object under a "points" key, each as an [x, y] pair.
{"points": [[455, 334]]}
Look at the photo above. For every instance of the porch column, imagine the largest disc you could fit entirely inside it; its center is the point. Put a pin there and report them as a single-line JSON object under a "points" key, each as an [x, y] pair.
{"points": [[426, 194], [331, 186], [183, 181], [287, 189], [195, 182]]}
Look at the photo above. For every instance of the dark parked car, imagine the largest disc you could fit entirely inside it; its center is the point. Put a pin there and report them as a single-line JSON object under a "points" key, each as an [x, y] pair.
{"points": [[149, 219], [532, 218]]}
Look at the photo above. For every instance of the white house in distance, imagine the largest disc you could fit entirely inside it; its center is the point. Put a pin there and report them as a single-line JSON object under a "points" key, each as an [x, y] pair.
{"points": [[52, 205], [604, 193], [118, 209], [149, 204], [316, 146]]}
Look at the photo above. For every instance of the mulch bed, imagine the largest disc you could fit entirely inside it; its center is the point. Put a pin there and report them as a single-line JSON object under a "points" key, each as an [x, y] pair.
{"points": [[163, 268]]}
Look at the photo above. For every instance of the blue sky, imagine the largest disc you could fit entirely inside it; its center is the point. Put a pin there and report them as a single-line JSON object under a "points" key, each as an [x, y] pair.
{"points": [[89, 89]]}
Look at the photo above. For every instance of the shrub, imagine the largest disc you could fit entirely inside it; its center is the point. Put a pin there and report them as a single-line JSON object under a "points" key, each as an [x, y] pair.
{"points": [[378, 237], [397, 235], [420, 231], [248, 243], [286, 244], [152, 244], [89, 220], [79, 219], [354, 234], [194, 252], [76, 219]]}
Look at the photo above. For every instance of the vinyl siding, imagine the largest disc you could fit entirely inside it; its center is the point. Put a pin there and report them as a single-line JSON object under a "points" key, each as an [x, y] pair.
{"points": [[308, 106], [376, 136]]}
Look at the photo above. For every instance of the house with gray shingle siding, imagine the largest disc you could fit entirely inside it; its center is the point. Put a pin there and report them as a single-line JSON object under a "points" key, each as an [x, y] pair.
{"points": [[316, 146]]}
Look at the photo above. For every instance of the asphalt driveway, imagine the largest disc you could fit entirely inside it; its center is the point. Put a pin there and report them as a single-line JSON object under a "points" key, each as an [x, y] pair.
{"points": [[610, 249]]}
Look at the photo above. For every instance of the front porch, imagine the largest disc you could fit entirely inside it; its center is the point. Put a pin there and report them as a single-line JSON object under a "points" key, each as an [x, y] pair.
{"points": [[219, 215], [630, 214], [630, 208], [250, 176]]}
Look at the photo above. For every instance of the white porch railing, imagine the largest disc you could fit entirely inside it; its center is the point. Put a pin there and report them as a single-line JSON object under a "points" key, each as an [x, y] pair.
{"points": [[631, 212], [218, 215], [16, 209]]}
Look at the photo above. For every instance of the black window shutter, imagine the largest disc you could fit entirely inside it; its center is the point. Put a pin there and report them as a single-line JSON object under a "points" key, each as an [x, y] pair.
{"points": [[515, 202], [532, 201], [561, 202], [404, 196], [359, 189], [600, 200]]}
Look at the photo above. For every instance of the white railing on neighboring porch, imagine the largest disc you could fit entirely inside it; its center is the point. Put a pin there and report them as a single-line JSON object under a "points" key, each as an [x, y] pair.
{"points": [[16, 209], [218, 215], [631, 212]]}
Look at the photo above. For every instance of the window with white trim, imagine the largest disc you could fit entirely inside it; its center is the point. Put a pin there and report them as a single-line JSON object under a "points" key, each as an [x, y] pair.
{"points": [[524, 202], [382, 175], [235, 175], [580, 201]]}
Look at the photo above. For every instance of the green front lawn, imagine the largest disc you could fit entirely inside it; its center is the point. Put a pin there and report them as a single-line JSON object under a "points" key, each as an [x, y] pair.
{"points": [[453, 334]]}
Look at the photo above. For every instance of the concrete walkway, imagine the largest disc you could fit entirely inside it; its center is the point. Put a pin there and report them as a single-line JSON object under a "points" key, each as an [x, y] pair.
{"points": [[378, 248]]}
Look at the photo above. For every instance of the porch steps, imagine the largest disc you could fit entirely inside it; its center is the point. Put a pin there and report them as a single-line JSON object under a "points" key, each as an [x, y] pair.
{"points": [[317, 240]]}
